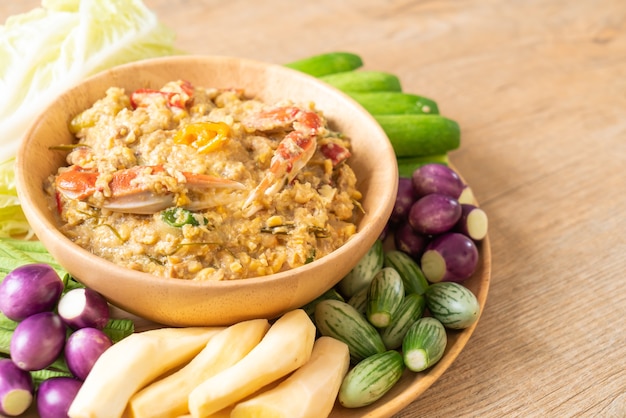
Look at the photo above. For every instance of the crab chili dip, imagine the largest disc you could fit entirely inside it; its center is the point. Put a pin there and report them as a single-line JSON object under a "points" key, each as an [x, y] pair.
{"points": [[201, 183]]}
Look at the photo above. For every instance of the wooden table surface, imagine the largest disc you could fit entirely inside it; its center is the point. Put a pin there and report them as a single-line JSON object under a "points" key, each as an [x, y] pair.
{"points": [[539, 90]]}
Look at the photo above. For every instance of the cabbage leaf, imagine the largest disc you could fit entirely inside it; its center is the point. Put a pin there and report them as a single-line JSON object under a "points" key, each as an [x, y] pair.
{"points": [[12, 220], [50, 49]]}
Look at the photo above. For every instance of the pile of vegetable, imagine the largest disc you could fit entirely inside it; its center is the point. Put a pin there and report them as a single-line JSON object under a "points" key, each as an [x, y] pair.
{"points": [[252, 368], [391, 313], [417, 131], [52, 48], [52, 331], [396, 306]]}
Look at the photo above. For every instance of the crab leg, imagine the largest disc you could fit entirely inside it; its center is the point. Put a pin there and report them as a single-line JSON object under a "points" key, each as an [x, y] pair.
{"points": [[292, 153], [131, 190]]}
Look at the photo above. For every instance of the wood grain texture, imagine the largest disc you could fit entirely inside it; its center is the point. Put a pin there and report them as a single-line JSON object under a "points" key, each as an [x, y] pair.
{"points": [[539, 89]]}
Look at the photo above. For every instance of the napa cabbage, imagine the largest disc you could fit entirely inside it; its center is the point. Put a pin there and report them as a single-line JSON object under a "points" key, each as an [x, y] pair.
{"points": [[51, 48]]}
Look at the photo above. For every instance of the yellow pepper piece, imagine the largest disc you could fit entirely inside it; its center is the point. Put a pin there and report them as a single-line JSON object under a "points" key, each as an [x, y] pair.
{"points": [[204, 136]]}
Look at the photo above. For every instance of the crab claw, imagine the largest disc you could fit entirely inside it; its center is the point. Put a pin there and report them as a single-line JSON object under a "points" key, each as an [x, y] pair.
{"points": [[139, 190], [292, 153]]}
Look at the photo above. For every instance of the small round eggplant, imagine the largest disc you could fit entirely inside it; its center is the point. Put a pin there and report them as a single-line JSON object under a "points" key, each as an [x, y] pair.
{"points": [[37, 341], [473, 222], [434, 214], [83, 348], [404, 200], [437, 178], [29, 289], [467, 196], [55, 395], [84, 308], [451, 257], [16, 389], [410, 241]]}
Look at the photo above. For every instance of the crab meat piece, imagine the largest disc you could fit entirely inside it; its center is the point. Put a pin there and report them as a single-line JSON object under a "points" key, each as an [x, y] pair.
{"points": [[177, 94]]}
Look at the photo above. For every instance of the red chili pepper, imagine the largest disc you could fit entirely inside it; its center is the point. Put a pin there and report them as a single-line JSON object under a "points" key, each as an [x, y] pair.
{"points": [[57, 197], [335, 152]]}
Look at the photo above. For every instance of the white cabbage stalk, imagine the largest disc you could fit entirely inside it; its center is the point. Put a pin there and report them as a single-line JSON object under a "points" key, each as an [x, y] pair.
{"points": [[51, 48]]}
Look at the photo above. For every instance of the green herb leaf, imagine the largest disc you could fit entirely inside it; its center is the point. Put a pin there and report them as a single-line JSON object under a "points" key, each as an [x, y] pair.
{"points": [[15, 253], [6, 323], [177, 217], [59, 365], [5, 341], [45, 374], [118, 329]]}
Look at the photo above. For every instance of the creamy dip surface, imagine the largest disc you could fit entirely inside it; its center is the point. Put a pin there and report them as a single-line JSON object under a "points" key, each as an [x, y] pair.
{"points": [[143, 189]]}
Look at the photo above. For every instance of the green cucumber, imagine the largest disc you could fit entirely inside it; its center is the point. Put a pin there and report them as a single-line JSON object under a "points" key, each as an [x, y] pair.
{"points": [[411, 309], [326, 64], [370, 379], [407, 165], [363, 272], [453, 304], [412, 276], [359, 301], [395, 103], [363, 81], [331, 293], [419, 135], [384, 296], [339, 320], [424, 344]]}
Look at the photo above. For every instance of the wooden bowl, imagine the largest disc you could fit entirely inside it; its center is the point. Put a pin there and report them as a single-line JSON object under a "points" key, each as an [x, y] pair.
{"points": [[189, 303]]}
